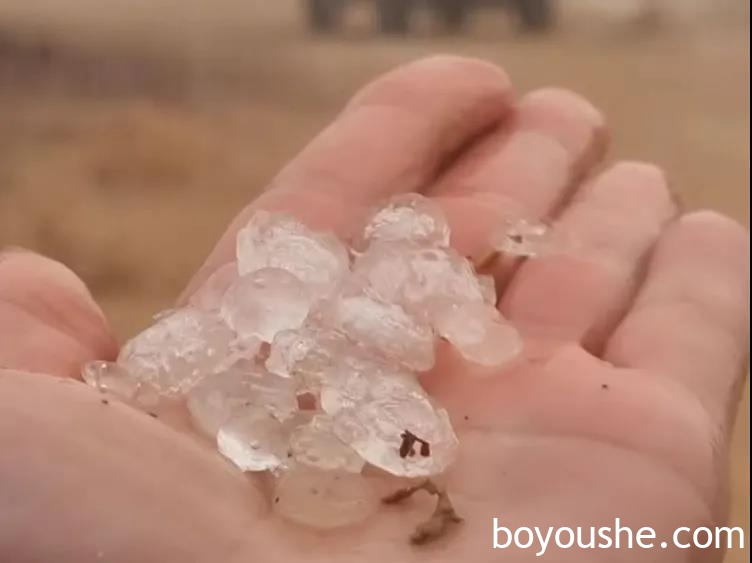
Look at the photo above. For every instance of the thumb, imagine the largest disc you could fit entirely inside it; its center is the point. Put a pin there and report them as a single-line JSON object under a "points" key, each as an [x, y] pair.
{"points": [[49, 323]]}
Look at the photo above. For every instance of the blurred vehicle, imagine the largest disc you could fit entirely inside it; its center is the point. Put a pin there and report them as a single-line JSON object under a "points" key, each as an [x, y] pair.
{"points": [[394, 15]]}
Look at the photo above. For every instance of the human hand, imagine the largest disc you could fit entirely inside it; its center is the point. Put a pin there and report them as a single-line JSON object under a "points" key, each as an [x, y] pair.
{"points": [[635, 348]]}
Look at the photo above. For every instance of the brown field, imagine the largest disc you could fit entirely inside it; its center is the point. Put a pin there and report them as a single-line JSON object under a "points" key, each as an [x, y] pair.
{"points": [[128, 139]]}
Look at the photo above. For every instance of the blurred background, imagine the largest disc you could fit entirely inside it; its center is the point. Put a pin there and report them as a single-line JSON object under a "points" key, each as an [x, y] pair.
{"points": [[131, 131]]}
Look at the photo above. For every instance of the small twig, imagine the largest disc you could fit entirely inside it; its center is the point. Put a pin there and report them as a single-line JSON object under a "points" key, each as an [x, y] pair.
{"points": [[403, 494], [444, 515], [437, 525]]}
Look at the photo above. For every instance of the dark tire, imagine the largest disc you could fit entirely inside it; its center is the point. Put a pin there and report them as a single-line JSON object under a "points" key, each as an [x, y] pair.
{"points": [[536, 15], [394, 16], [324, 15], [453, 13]]}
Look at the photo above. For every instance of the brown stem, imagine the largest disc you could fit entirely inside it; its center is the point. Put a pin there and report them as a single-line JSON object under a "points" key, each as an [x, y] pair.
{"points": [[444, 515]]}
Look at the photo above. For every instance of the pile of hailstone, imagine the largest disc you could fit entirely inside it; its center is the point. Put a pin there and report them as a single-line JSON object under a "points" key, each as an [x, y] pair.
{"points": [[301, 358]]}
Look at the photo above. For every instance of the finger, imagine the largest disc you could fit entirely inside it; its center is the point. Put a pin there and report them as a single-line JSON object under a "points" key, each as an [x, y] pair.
{"points": [[48, 320], [87, 480], [690, 321], [525, 168], [392, 137], [577, 295]]}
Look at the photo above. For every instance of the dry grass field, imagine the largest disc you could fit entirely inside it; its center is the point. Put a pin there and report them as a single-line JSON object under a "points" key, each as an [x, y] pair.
{"points": [[131, 134]]}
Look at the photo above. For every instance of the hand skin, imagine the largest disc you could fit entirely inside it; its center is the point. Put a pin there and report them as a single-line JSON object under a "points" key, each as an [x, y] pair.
{"points": [[636, 345]]}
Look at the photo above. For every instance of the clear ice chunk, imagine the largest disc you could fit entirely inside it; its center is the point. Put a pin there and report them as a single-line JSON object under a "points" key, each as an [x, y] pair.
{"points": [[265, 302], [178, 351], [241, 354], [114, 379], [288, 350], [377, 430], [383, 328], [408, 218], [218, 398], [414, 277], [522, 238], [209, 296], [441, 274], [323, 499], [314, 444], [340, 351], [254, 440], [488, 289], [372, 411], [307, 355], [272, 240], [162, 314], [479, 332], [350, 379]]}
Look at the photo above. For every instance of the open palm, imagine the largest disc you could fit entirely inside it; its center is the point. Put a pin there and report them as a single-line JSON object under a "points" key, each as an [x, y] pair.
{"points": [[635, 347]]}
